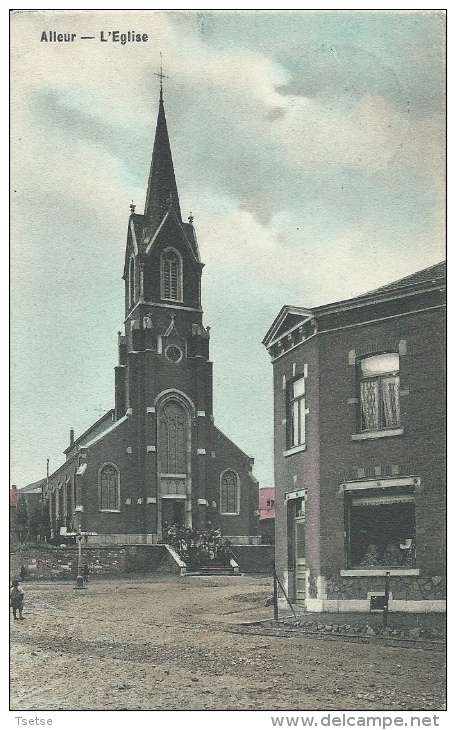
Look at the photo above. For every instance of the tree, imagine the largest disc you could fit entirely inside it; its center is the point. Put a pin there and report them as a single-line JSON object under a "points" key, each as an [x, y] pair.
{"points": [[45, 522], [35, 521], [22, 519]]}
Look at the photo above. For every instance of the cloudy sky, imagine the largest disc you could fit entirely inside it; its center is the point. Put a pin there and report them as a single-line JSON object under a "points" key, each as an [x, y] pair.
{"points": [[308, 145]]}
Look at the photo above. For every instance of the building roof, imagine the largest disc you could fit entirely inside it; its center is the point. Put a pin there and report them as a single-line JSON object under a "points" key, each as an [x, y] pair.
{"points": [[93, 430], [290, 318], [33, 488], [426, 276], [422, 280]]}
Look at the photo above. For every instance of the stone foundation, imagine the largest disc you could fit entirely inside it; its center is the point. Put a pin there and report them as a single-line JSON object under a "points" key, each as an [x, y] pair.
{"points": [[402, 587], [408, 592]]}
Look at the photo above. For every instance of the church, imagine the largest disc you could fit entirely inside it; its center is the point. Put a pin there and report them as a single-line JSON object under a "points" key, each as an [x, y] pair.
{"points": [[157, 459]]}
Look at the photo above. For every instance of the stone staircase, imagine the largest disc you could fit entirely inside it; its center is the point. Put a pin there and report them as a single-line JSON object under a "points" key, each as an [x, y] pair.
{"points": [[213, 568], [209, 567]]}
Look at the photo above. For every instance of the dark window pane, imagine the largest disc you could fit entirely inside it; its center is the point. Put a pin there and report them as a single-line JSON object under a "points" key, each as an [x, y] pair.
{"points": [[229, 493], [382, 534]]}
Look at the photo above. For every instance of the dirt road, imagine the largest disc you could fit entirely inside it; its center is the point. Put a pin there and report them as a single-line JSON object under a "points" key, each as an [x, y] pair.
{"points": [[165, 643]]}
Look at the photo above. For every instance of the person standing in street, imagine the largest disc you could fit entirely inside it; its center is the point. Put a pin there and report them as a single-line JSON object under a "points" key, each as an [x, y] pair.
{"points": [[16, 599]]}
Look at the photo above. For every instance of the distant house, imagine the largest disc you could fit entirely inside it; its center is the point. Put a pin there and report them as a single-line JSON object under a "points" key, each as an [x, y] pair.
{"points": [[359, 423], [13, 497], [266, 514], [26, 512], [13, 510], [33, 494]]}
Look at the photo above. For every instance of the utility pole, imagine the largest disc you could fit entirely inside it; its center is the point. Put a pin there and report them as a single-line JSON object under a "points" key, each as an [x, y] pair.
{"points": [[49, 498]]}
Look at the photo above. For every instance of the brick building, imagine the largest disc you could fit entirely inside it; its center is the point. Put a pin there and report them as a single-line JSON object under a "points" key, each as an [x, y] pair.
{"points": [[13, 496], [266, 515], [157, 457], [32, 494], [359, 422]]}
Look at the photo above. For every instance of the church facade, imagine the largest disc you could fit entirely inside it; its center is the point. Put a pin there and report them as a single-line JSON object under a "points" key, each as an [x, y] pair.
{"points": [[157, 457]]}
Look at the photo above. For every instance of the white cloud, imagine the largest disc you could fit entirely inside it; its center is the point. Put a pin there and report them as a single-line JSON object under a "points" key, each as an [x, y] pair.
{"points": [[366, 135], [346, 264]]}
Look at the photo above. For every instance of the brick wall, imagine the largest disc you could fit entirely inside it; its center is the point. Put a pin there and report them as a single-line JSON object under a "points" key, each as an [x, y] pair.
{"points": [[422, 417], [331, 453], [254, 558]]}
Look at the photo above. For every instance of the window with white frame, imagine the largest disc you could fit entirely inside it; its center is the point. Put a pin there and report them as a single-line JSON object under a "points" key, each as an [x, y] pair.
{"points": [[229, 492], [171, 275], [109, 488], [296, 412], [380, 529], [379, 392]]}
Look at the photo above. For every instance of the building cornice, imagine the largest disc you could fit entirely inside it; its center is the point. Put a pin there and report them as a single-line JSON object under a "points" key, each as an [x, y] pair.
{"points": [[352, 326], [364, 300]]}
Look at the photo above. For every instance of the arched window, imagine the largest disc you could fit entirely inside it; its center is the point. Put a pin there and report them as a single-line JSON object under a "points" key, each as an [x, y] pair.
{"points": [[172, 437], [109, 488], [131, 283], [229, 492], [171, 275]]}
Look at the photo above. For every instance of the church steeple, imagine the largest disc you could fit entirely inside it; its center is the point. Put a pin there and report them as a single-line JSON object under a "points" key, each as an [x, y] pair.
{"points": [[162, 189]]}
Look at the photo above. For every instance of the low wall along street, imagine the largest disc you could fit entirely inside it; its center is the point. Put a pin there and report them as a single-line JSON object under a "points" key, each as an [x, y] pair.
{"points": [[45, 562], [60, 563]]}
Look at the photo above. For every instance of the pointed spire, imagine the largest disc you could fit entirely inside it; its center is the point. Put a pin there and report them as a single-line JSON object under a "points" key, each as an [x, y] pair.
{"points": [[162, 189]]}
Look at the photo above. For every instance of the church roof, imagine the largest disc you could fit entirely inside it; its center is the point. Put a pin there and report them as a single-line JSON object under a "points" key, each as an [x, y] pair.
{"points": [[93, 430], [162, 189], [137, 226]]}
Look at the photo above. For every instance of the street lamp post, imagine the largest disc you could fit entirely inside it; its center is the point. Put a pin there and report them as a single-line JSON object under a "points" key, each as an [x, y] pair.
{"points": [[385, 605], [80, 576]]}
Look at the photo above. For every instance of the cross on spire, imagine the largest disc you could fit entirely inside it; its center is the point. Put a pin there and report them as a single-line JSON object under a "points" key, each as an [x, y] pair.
{"points": [[161, 76], [161, 189]]}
